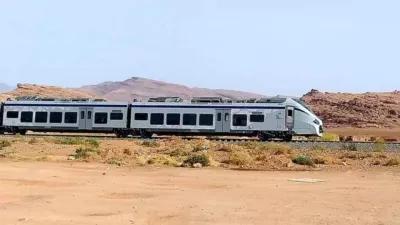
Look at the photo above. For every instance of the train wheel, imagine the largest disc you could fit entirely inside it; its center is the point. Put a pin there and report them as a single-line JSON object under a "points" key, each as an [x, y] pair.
{"points": [[22, 132], [262, 137], [288, 138], [145, 134]]}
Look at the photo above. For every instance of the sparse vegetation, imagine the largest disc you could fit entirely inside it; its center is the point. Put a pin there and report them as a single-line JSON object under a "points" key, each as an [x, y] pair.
{"points": [[4, 144], [151, 144], [392, 162], [239, 158], [330, 137], [86, 152], [380, 145], [203, 159], [319, 160], [303, 160], [33, 141], [127, 151], [115, 161]]}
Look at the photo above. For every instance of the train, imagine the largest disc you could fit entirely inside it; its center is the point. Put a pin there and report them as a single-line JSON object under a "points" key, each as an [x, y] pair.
{"points": [[265, 118]]}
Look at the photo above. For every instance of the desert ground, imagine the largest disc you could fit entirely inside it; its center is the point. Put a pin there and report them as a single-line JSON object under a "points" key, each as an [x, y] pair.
{"points": [[88, 181]]}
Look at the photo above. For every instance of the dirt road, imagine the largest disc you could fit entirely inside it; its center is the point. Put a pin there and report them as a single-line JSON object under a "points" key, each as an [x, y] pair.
{"points": [[81, 193]]}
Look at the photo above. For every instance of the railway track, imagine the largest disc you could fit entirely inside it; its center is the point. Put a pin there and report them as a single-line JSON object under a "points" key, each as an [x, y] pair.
{"points": [[301, 144]]}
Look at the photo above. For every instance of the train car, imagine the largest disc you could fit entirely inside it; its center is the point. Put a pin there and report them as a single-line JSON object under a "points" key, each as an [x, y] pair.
{"points": [[63, 116], [266, 118]]}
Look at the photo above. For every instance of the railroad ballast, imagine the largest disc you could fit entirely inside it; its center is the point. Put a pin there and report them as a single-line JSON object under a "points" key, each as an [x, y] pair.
{"points": [[266, 118]]}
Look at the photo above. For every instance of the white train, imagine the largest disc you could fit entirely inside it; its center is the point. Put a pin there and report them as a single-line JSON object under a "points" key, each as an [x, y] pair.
{"points": [[265, 118]]}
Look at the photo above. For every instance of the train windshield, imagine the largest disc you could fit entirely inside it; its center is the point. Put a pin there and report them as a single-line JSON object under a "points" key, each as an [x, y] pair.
{"points": [[304, 105]]}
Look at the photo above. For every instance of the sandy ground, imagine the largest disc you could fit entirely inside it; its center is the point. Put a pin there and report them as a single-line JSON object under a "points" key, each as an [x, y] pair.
{"points": [[88, 193]]}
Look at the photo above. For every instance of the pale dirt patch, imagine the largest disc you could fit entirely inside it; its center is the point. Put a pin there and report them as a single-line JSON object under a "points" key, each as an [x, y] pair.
{"points": [[103, 194]]}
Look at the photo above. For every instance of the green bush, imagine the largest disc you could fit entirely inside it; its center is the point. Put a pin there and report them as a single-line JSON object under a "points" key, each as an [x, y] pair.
{"points": [[303, 160], [203, 159]]}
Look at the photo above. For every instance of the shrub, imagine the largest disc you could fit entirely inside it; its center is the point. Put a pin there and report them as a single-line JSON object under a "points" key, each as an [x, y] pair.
{"points": [[330, 137], [150, 144], [4, 143], [32, 141], [85, 152], [115, 161], [92, 142], [380, 145], [198, 148], [392, 162], [198, 158], [127, 151], [319, 160], [303, 160], [68, 141], [239, 158]]}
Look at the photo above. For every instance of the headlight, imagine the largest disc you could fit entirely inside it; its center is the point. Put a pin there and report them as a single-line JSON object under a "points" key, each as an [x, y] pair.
{"points": [[316, 122]]}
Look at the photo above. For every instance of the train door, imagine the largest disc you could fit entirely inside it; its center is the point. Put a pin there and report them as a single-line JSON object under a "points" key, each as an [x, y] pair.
{"points": [[85, 118], [223, 121], [290, 117]]}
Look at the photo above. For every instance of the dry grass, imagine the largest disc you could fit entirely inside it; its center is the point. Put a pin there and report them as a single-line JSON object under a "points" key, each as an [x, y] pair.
{"points": [[178, 152]]}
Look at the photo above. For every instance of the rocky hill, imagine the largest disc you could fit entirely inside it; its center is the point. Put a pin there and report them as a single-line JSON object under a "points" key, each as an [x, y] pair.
{"points": [[379, 110], [142, 89], [44, 91]]}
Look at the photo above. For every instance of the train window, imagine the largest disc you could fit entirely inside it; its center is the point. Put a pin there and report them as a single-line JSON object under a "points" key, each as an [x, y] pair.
{"points": [[206, 119], [41, 117], [226, 117], [239, 120], [82, 115], [141, 116], [290, 113], [89, 115], [189, 119], [157, 119], [56, 117], [12, 114], [173, 119], [100, 118], [116, 116], [257, 118], [71, 117], [219, 117], [26, 117]]}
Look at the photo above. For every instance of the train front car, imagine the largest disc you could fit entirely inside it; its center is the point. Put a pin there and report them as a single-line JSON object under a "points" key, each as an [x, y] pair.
{"points": [[306, 123]]}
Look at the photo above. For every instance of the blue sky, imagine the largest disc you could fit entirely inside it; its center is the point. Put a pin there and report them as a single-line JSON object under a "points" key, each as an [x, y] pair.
{"points": [[268, 47]]}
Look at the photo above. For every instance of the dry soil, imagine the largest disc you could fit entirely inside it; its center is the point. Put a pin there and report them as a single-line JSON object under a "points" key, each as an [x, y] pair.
{"points": [[48, 193]]}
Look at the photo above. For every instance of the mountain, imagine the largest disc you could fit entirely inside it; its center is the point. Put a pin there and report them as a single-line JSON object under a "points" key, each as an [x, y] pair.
{"points": [[142, 89], [44, 91], [367, 110], [5, 87]]}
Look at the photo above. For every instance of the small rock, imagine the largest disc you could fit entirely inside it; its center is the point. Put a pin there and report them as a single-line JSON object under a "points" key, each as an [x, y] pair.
{"points": [[289, 165], [344, 164], [104, 174], [22, 219], [197, 165], [71, 158]]}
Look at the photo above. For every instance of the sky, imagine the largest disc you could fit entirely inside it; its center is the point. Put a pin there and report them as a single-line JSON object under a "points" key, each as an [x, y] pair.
{"points": [[262, 46]]}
